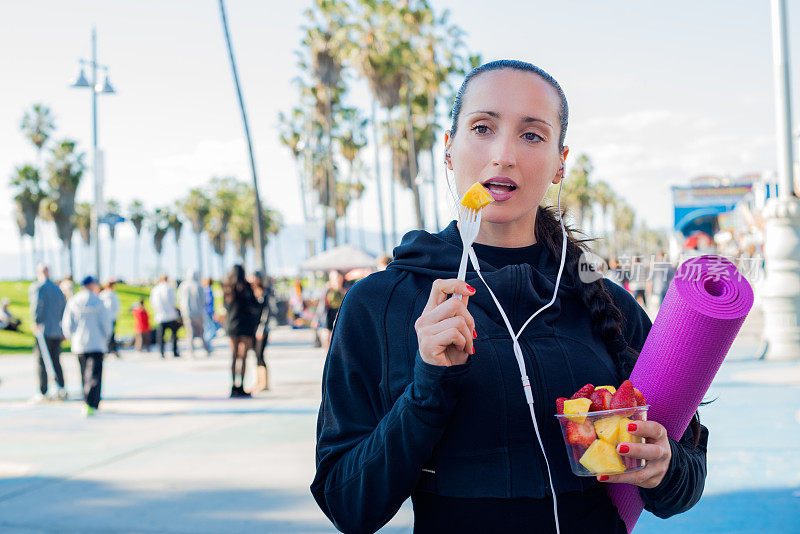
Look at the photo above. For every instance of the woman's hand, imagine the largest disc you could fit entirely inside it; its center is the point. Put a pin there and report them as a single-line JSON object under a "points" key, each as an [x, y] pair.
{"points": [[445, 329], [655, 450]]}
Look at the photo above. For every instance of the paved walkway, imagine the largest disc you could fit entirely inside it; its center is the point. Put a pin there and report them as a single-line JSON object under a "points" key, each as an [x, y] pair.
{"points": [[171, 453]]}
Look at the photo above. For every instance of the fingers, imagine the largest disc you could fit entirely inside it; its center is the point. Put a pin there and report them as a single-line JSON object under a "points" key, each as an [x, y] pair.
{"points": [[650, 430], [451, 336], [648, 451], [443, 287], [449, 308], [458, 323]]}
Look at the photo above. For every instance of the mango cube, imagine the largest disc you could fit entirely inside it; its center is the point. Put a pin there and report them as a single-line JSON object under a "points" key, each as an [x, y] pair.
{"points": [[612, 389], [476, 197], [576, 409], [607, 429], [602, 458]]}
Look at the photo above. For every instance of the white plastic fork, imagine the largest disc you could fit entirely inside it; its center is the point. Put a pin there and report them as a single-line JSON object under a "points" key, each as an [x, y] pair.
{"points": [[469, 224]]}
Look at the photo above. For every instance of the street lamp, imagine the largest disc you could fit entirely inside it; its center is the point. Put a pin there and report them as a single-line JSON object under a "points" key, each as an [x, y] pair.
{"points": [[82, 82]]}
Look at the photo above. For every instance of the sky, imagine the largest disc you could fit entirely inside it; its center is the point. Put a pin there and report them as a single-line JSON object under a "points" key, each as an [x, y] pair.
{"points": [[658, 92]]}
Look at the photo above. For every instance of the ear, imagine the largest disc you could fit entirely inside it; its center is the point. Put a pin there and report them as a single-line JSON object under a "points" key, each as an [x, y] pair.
{"points": [[562, 168], [448, 142]]}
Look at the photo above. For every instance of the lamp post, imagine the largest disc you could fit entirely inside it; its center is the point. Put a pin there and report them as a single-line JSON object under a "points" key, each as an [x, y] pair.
{"points": [[781, 294], [83, 82]]}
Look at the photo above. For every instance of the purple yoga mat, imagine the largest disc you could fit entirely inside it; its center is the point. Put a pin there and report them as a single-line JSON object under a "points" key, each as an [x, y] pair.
{"points": [[702, 312]]}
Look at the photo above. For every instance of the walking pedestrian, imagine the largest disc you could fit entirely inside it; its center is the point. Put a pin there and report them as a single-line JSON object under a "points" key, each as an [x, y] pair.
{"points": [[87, 324], [263, 291], [141, 327], [111, 301], [47, 304], [192, 305], [241, 318], [451, 402], [165, 314]]}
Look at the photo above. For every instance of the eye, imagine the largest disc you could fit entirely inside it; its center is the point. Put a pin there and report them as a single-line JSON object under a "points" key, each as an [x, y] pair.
{"points": [[531, 136], [480, 129]]}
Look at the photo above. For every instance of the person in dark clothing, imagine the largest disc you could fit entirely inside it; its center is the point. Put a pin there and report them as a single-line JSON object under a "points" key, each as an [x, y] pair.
{"points": [[421, 393], [262, 289], [241, 318]]}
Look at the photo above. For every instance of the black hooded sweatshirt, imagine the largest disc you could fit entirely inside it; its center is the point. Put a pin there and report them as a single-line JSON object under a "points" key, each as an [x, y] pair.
{"points": [[459, 440]]}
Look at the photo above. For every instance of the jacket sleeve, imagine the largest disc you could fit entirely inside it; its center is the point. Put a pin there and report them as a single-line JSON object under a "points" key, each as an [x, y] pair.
{"points": [[369, 460], [37, 304], [684, 481]]}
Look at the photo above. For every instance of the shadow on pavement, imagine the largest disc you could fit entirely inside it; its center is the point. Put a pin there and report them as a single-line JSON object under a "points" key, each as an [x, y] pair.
{"points": [[87, 506]]}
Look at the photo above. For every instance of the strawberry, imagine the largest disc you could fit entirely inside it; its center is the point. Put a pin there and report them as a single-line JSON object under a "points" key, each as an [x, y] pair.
{"points": [[601, 400], [624, 397], [560, 405], [580, 433], [584, 393], [639, 397]]}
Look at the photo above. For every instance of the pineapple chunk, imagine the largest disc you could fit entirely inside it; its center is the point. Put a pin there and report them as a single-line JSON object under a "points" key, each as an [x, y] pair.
{"points": [[476, 197], [624, 435], [612, 389], [576, 409], [607, 429], [602, 458]]}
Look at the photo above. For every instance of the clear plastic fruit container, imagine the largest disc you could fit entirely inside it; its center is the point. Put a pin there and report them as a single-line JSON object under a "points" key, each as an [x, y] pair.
{"points": [[591, 456]]}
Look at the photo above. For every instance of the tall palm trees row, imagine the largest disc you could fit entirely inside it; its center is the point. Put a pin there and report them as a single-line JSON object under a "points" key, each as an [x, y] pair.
{"points": [[222, 209], [407, 55], [594, 204]]}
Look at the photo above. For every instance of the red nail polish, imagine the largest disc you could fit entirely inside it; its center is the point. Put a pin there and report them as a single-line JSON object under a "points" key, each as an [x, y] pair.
{"points": [[470, 288], [603, 478], [474, 334], [632, 427], [624, 449], [473, 350]]}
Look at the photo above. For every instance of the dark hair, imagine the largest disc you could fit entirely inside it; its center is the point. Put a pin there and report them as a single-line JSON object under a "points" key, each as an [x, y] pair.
{"points": [[607, 319], [513, 64], [234, 283]]}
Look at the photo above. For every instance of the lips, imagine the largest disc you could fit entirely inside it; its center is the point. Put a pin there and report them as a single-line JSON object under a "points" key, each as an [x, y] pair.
{"points": [[500, 187]]}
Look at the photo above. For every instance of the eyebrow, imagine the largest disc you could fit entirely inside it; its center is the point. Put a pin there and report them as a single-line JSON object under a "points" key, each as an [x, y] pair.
{"points": [[496, 115]]}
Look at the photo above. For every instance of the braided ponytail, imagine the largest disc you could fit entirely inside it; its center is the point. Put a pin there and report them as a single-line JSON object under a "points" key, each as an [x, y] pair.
{"points": [[607, 319]]}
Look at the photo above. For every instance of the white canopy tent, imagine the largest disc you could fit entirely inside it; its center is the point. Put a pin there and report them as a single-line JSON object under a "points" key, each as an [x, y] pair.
{"points": [[341, 258]]}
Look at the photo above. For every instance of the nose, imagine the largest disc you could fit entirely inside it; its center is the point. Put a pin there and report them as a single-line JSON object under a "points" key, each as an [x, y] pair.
{"points": [[503, 152]]}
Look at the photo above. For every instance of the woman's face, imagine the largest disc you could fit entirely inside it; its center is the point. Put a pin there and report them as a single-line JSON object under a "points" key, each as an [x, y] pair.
{"points": [[507, 139]]}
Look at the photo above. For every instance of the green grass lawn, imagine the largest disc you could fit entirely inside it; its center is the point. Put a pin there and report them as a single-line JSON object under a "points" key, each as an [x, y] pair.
{"points": [[22, 341]]}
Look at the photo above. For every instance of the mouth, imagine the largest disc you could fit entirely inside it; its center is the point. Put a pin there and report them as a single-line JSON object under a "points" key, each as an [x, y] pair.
{"points": [[500, 187]]}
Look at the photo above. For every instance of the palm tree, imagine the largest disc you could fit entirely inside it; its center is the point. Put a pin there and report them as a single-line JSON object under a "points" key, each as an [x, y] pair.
{"points": [[137, 216], [378, 57], [65, 170], [295, 134], [624, 220], [577, 190], [113, 212], [351, 140], [159, 225], [26, 186], [83, 222], [196, 208], [176, 225], [326, 39], [38, 125], [225, 195]]}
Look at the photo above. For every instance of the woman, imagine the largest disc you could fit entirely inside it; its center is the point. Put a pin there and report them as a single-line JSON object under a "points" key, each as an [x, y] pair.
{"points": [[262, 289], [422, 394], [241, 318]]}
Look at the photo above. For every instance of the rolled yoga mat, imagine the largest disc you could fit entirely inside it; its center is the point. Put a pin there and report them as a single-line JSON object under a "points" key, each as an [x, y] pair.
{"points": [[701, 314]]}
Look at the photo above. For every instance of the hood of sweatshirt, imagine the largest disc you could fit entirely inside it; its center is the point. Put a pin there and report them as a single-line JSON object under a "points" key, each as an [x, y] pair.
{"points": [[521, 289]]}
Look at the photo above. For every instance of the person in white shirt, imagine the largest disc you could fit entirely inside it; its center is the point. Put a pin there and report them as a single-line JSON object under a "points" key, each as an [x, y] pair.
{"points": [[111, 301], [87, 324], [165, 314], [192, 303]]}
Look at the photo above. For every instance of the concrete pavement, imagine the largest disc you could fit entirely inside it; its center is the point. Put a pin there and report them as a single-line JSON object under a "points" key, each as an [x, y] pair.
{"points": [[171, 453]]}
